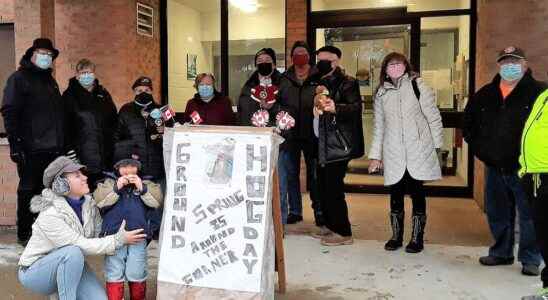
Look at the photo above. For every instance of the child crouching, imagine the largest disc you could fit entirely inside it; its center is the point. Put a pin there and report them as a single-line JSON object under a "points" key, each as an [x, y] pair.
{"points": [[127, 198]]}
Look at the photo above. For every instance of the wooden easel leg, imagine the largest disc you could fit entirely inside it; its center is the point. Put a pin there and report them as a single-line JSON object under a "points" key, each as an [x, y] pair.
{"points": [[278, 234]]}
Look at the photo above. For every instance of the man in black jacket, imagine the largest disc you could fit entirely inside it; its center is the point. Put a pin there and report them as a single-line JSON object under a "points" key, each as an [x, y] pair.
{"points": [[338, 124], [139, 131], [91, 120], [34, 121], [494, 120], [297, 97]]}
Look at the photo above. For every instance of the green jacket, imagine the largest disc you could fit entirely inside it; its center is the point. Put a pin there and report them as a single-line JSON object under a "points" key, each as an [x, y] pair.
{"points": [[534, 141]]}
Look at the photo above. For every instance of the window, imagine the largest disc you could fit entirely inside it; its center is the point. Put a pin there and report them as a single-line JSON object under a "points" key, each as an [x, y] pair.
{"points": [[253, 25], [445, 52], [7, 62], [145, 20], [193, 47], [411, 5]]}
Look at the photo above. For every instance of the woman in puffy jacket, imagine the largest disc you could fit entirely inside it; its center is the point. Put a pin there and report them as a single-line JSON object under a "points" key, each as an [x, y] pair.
{"points": [[66, 230], [407, 138]]}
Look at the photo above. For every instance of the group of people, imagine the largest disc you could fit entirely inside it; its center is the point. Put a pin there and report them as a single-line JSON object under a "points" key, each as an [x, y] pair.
{"points": [[506, 129], [92, 179]]}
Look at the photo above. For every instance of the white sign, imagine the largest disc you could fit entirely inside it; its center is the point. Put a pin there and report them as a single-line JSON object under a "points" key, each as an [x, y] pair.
{"points": [[217, 212]]}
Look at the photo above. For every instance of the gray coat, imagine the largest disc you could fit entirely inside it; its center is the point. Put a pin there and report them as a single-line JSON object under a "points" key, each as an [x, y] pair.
{"points": [[407, 131]]}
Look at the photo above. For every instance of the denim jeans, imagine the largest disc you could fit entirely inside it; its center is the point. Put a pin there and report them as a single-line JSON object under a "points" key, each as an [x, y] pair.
{"points": [[65, 272], [503, 193], [290, 190], [128, 263]]}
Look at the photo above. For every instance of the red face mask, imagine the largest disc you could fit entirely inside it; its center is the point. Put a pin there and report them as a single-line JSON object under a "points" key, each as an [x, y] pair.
{"points": [[300, 59]]}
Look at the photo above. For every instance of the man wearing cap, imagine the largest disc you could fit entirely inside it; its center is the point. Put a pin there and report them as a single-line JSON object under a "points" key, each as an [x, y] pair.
{"points": [[139, 131], [34, 121], [493, 125], [338, 125], [66, 229]]}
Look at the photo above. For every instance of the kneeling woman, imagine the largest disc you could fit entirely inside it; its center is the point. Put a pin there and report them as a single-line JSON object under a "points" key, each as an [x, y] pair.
{"points": [[66, 229]]}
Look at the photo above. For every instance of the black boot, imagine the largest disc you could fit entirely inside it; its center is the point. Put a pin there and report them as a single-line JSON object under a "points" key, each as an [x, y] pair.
{"points": [[396, 241], [416, 244]]}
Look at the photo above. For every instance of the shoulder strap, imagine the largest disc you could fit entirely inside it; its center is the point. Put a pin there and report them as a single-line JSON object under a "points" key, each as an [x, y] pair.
{"points": [[416, 88]]}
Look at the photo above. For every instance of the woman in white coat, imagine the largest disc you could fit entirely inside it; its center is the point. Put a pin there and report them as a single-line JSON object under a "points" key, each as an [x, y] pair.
{"points": [[67, 229], [407, 138]]}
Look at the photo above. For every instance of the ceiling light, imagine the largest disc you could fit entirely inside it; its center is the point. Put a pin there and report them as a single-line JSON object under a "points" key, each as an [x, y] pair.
{"points": [[248, 6]]}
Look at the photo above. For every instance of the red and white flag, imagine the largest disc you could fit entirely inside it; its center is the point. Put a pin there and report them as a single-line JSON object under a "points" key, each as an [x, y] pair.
{"points": [[195, 117]]}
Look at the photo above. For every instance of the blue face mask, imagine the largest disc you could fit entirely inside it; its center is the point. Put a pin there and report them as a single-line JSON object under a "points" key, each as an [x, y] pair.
{"points": [[86, 79], [43, 61], [511, 72], [205, 91]]}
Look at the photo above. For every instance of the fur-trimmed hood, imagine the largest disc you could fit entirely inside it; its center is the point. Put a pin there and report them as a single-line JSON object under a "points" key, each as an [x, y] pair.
{"points": [[48, 199]]}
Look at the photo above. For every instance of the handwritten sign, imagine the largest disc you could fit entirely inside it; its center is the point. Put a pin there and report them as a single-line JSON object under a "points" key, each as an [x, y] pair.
{"points": [[217, 224]]}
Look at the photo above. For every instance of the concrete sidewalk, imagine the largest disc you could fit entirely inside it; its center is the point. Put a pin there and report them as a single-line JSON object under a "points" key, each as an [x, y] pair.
{"points": [[360, 271]]}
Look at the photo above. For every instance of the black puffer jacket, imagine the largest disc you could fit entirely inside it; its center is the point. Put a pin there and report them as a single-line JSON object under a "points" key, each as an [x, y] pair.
{"points": [[91, 121], [139, 135], [33, 110], [493, 126], [298, 99], [341, 134]]}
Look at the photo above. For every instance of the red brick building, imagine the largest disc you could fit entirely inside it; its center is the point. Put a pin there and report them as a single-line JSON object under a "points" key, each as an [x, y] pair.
{"points": [[453, 42]]}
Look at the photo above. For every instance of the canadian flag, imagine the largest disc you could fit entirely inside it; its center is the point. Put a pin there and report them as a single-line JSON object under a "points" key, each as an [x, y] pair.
{"points": [[167, 113], [195, 117]]}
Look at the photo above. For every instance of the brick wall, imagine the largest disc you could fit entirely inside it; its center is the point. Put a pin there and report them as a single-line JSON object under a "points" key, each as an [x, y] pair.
{"points": [[502, 23], [7, 11], [94, 30], [296, 24]]}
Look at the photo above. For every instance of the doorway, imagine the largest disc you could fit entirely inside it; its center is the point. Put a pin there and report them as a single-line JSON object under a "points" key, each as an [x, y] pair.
{"points": [[437, 47]]}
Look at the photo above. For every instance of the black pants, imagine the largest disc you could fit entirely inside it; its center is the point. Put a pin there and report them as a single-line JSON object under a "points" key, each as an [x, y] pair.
{"points": [[30, 184], [309, 149], [539, 210], [332, 199], [411, 186]]}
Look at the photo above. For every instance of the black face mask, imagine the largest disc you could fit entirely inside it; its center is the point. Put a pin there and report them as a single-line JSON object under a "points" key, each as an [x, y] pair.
{"points": [[144, 99], [264, 69], [324, 67]]}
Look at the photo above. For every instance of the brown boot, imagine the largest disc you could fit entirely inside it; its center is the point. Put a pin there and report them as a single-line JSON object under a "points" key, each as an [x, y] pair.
{"points": [[337, 240], [321, 232]]}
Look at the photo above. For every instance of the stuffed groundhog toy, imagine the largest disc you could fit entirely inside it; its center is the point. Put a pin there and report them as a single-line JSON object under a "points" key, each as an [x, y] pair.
{"points": [[321, 98]]}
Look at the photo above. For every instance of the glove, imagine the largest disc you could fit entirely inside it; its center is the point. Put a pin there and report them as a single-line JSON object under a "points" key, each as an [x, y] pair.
{"points": [[120, 236], [260, 118], [284, 121], [72, 155], [17, 155]]}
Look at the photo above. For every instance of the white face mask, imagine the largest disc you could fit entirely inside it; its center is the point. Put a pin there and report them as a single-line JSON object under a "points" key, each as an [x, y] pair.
{"points": [[43, 61]]}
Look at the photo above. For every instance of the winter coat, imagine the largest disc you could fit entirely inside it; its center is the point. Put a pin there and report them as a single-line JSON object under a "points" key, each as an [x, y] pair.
{"points": [[58, 225], [218, 111], [534, 141], [33, 111], [340, 134], [127, 204], [407, 131], [139, 135], [247, 106], [297, 98], [91, 120], [493, 126]]}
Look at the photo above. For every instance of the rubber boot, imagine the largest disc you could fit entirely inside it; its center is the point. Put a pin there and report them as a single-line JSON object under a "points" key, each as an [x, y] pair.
{"points": [[137, 290], [396, 222], [416, 244], [115, 290]]}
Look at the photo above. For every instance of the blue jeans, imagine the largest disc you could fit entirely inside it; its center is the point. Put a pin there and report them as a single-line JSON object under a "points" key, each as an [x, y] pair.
{"points": [[290, 189], [503, 193], [128, 263], [63, 271]]}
